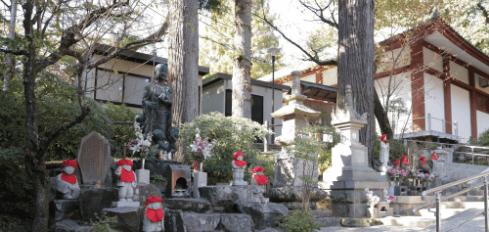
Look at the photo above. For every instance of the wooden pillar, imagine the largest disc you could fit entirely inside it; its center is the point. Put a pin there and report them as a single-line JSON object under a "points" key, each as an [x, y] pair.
{"points": [[417, 87], [473, 106], [447, 96]]}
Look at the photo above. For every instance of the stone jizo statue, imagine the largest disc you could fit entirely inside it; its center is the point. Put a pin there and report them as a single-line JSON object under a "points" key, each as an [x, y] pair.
{"points": [[153, 215], [239, 166], [127, 180], [66, 182], [157, 111], [259, 177]]}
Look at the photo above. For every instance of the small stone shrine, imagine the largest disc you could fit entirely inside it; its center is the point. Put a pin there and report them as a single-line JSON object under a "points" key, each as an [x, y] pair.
{"points": [[66, 182], [126, 184], [153, 215], [350, 173], [94, 158], [287, 181], [239, 166]]}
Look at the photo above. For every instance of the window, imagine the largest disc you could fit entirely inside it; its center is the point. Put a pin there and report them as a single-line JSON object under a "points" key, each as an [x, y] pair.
{"points": [[228, 111], [109, 86]]}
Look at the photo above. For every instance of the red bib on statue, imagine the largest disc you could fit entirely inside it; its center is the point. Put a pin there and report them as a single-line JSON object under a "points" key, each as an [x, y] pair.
{"points": [[69, 178], [261, 179], [155, 215], [240, 163], [127, 176]]}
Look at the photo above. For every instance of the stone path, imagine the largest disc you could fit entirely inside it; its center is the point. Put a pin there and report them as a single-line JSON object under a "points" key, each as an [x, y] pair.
{"points": [[372, 229]]}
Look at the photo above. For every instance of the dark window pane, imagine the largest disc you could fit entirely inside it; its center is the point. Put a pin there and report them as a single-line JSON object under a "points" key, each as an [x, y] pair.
{"points": [[257, 109], [229, 103]]}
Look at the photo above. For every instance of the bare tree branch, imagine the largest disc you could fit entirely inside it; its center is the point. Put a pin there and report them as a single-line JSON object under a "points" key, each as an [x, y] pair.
{"points": [[484, 11], [319, 12], [18, 53]]}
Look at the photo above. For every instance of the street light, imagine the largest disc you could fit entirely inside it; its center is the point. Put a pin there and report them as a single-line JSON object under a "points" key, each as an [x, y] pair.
{"points": [[273, 51]]}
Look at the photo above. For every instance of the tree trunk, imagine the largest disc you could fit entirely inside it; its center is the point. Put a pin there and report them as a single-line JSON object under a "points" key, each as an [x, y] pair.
{"points": [[382, 119], [356, 65], [183, 64], [241, 106]]}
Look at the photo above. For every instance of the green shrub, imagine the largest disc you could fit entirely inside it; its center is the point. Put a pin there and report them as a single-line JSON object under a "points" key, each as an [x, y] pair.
{"points": [[232, 134], [103, 223], [266, 162], [483, 139], [298, 221]]}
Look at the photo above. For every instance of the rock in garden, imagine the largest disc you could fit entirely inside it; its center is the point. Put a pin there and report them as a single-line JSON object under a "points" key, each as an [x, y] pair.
{"points": [[221, 197], [127, 218], [174, 221], [71, 226], [64, 209], [235, 222], [94, 200], [263, 215], [196, 222], [200, 205]]}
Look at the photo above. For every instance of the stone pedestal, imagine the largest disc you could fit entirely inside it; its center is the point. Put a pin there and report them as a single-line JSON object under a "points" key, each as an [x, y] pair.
{"points": [[118, 204], [384, 156], [142, 176], [439, 168], [200, 180], [350, 173]]}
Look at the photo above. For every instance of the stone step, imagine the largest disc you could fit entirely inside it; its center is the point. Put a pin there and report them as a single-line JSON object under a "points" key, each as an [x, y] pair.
{"points": [[467, 198]]}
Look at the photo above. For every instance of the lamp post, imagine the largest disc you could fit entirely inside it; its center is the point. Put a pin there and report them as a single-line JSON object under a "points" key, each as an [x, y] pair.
{"points": [[273, 51]]}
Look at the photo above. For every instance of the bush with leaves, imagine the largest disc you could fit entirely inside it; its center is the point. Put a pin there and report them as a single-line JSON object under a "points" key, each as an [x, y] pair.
{"points": [[298, 221], [103, 223], [232, 135]]}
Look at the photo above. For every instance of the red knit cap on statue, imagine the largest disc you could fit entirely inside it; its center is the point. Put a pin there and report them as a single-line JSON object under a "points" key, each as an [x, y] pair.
{"points": [[72, 163], [153, 199], [124, 162], [238, 154], [258, 169]]}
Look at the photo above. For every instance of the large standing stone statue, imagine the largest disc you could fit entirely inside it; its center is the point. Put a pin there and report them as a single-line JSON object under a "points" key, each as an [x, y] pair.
{"points": [[157, 111]]}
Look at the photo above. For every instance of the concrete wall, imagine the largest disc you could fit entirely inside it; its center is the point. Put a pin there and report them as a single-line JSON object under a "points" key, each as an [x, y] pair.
{"points": [[402, 91], [432, 59], [458, 171], [482, 122], [434, 102], [460, 99], [213, 97], [459, 72]]}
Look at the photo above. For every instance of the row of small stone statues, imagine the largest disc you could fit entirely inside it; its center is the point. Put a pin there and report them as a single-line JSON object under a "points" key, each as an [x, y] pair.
{"points": [[67, 185]]}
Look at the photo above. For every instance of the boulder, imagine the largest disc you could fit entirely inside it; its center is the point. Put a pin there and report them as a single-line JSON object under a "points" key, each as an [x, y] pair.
{"points": [[263, 215], [144, 191], [294, 194], [64, 209], [235, 222], [70, 226], [94, 200], [200, 205], [196, 222], [221, 197], [174, 221], [127, 218]]}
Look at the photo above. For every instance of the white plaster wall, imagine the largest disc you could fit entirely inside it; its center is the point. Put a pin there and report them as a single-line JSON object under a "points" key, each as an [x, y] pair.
{"points": [[432, 59], [213, 97], [459, 72], [387, 59], [401, 88], [434, 101], [330, 76], [482, 122], [309, 78], [88, 77], [460, 99], [109, 86], [477, 76], [127, 66]]}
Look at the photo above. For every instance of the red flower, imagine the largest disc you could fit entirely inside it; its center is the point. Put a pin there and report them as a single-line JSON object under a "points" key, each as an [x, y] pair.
{"points": [[238, 154], [422, 158], [433, 156], [404, 157], [420, 181], [258, 169], [405, 162], [397, 162], [399, 168], [383, 138], [72, 163], [124, 162], [195, 166]]}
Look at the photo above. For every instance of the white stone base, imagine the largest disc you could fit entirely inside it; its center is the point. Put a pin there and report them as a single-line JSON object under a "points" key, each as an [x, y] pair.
{"points": [[200, 180], [142, 176], [239, 182], [117, 204]]}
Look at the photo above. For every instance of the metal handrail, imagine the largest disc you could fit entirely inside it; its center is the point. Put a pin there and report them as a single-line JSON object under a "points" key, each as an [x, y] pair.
{"points": [[438, 190]]}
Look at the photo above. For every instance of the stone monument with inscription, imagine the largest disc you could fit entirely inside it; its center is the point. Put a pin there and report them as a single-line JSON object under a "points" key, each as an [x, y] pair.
{"points": [[94, 158], [350, 173]]}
